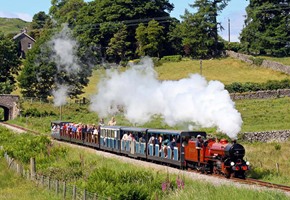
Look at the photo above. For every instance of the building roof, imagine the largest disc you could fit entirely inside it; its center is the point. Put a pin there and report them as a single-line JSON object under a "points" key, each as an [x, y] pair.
{"points": [[23, 33]]}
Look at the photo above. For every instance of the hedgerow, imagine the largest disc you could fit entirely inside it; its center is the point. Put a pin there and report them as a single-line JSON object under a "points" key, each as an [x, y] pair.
{"points": [[253, 87]]}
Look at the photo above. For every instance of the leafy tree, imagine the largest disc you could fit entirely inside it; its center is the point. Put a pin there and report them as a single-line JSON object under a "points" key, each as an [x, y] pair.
{"points": [[267, 28], [39, 21], [98, 21], [149, 39], [9, 64], [118, 47], [200, 30]]}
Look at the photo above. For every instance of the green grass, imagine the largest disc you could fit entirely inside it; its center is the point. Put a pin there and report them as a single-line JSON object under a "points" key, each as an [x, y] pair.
{"points": [[12, 25], [14, 187], [263, 158], [227, 70], [264, 114]]}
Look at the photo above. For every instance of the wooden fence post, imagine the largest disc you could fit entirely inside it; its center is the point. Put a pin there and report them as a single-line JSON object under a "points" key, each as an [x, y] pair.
{"points": [[42, 180], [277, 167], [32, 168], [85, 195], [95, 196], [56, 187], [64, 190], [28, 174], [74, 192], [48, 183]]}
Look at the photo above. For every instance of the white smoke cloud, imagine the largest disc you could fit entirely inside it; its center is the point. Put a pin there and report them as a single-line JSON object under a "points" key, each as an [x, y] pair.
{"points": [[191, 100], [60, 95], [64, 54], [65, 51]]}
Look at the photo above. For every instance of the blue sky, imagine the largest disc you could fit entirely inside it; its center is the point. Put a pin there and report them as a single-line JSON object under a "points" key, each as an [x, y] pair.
{"points": [[235, 11]]}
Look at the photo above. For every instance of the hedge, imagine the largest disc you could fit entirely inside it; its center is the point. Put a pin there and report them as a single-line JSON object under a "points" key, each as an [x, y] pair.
{"points": [[253, 87]]}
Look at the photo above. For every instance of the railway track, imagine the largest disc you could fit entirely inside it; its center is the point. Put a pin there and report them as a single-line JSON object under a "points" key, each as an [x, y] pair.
{"points": [[247, 181]]}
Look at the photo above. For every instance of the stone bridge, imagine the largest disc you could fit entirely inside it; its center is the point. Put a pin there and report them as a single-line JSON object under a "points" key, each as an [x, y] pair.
{"points": [[10, 105]]}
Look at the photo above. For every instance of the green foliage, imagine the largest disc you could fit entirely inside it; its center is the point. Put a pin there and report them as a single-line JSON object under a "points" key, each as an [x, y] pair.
{"points": [[256, 60], [252, 87], [119, 184], [233, 46], [150, 39], [24, 146], [199, 31], [174, 58], [9, 64], [34, 112], [277, 146], [267, 28]]}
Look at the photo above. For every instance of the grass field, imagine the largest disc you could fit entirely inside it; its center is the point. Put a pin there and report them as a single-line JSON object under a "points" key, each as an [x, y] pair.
{"points": [[263, 158], [13, 187]]}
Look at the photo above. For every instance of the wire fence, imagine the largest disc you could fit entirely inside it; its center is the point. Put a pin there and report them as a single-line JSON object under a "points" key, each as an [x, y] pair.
{"points": [[81, 101], [61, 188]]}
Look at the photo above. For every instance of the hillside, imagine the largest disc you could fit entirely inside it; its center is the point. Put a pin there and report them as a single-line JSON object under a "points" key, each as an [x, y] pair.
{"points": [[12, 25]]}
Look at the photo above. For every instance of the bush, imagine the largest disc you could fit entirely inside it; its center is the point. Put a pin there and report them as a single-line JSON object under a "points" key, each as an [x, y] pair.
{"points": [[257, 61], [174, 58], [252, 87]]}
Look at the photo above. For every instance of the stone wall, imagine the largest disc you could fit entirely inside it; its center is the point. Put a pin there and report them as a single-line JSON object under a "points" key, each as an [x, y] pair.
{"points": [[261, 94], [266, 63], [267, 136]]}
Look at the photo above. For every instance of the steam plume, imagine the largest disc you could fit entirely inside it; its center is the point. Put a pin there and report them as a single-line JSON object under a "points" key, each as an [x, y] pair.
{"points": [[192, 100]]}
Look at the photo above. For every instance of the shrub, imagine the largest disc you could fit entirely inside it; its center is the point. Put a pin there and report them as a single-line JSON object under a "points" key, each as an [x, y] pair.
{"points": [[257, 61], [277, 146], [252, 87], [174, 58]]}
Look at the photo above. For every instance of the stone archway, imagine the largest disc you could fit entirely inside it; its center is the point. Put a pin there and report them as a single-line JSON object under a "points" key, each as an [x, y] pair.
{"points": [[9, 103]]}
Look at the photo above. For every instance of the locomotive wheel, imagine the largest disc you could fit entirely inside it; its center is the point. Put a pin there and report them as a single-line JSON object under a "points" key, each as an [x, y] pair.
{"points": [[228, 174]]}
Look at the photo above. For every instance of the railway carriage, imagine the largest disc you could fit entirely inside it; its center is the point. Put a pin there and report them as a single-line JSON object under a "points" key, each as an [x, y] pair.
{"points": [[133, 142], [109, 138], [168, 152]]}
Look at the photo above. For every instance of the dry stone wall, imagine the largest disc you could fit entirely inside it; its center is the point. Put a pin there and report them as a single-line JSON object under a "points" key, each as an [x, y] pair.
{"points": [[266, 63], [267, 136], [261, 94]]}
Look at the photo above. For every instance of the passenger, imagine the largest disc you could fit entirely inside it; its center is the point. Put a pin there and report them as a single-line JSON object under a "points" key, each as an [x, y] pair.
{"points": [[199, 142], [151, 140], [131, 137], [125, 136], [112, 122], [141, 139], [173, 143], [102, 122], [160, 139]]}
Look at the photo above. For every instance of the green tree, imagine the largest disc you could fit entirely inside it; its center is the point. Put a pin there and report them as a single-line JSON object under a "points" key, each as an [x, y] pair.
{"points": [[149, 39], [98, 21], [200, 30], [118, 47], [9, 64], [38, 23], [267, 28]]}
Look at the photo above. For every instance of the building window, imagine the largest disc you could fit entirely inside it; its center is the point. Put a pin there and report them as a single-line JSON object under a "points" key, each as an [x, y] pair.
{"points": [[29, 46]]}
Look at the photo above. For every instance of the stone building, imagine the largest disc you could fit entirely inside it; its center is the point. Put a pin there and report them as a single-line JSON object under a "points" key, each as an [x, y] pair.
{"points": [[25, 42]]}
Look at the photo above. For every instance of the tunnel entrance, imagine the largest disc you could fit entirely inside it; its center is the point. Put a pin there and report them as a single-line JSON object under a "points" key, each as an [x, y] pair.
{"points": [[4, 113]]}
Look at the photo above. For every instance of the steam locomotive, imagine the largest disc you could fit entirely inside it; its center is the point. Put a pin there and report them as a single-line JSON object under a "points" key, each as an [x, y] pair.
{"points": [[171, 147]]}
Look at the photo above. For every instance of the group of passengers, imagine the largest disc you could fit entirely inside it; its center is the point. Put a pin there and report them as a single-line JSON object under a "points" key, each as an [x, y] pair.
{"points": [[82, 130], [164, 143]]}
